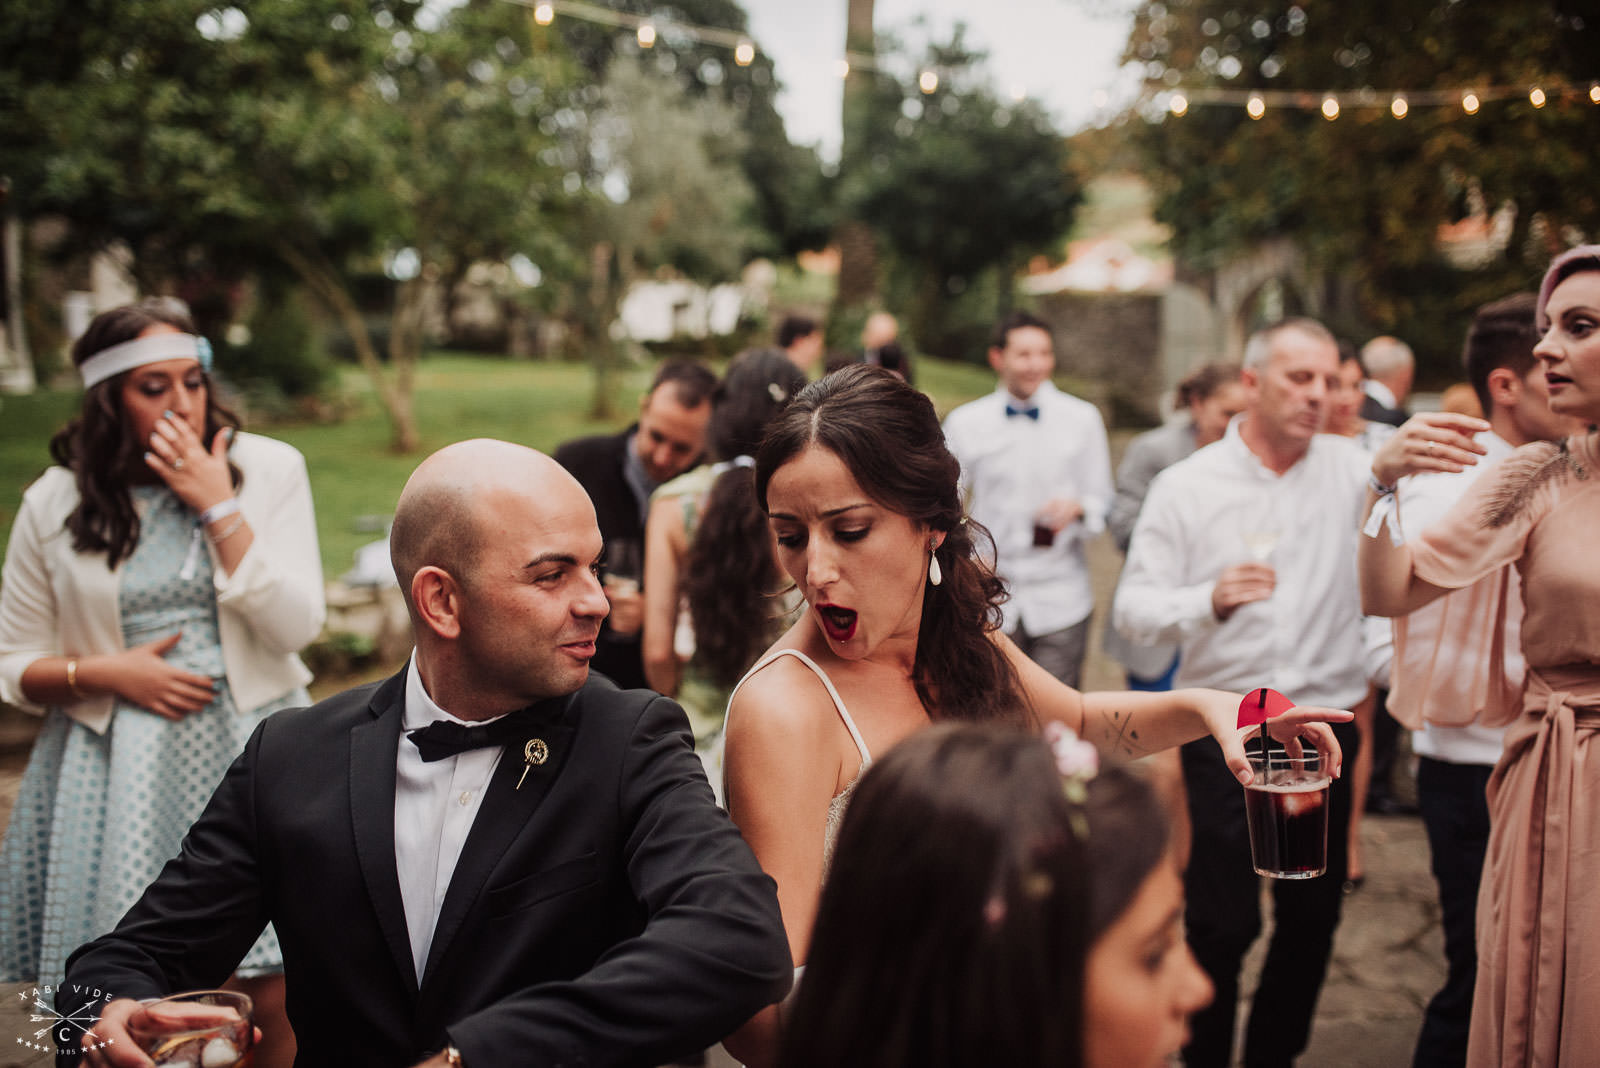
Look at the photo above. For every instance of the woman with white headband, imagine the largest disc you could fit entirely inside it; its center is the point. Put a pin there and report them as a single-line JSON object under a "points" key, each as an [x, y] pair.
{"points": [[158, 584]]}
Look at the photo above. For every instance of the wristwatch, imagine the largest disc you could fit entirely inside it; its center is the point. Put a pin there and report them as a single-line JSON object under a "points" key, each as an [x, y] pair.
{"points": [[452, 1057]]}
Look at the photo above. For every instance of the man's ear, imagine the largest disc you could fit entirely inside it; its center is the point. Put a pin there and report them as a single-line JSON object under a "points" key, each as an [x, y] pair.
{"points": [[1504, 388], [437, 597]]}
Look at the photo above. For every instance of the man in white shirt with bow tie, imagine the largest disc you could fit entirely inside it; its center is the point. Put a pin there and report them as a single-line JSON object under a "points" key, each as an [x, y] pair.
{"points": [[491, 858], [1036, 471]]}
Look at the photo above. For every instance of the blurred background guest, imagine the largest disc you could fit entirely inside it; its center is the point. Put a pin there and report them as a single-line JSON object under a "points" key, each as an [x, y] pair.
{"points": [[159, 582], [1390, 368], [1207, 400], [620, 472], [800, 338], [712, 587]]}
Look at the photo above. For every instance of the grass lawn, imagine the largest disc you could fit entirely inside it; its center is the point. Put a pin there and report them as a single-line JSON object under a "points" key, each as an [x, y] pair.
{"points": [[355, 478]]}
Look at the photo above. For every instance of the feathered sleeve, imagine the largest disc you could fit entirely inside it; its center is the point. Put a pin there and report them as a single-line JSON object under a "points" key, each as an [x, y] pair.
{"points": [[1488, 527]]}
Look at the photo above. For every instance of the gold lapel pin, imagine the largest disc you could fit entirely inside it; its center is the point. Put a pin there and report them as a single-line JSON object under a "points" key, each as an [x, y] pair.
{"points": [[535, 752]]}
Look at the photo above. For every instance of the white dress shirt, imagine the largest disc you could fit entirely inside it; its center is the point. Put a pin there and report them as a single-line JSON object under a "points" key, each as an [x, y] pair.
{"points": [[1441, 673], [1380, 392], [434, 806], [1304, 640], [1010, 467]]}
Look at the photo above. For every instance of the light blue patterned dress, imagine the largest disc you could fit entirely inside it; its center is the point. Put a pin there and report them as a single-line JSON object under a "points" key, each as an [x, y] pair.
{"points": [[97, 816]]}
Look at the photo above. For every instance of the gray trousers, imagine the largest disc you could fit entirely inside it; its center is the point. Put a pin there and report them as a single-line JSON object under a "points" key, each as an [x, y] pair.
{"points": [[1061, 652]]}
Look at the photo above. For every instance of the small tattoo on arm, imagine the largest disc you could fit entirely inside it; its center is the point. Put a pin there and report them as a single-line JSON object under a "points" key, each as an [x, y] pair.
{"points": [[1121, 736]]}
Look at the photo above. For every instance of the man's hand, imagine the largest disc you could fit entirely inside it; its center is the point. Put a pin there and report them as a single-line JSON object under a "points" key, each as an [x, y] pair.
{"points": [[1430, 441], [1059, 513], [1240, 585], [108, 1044]]}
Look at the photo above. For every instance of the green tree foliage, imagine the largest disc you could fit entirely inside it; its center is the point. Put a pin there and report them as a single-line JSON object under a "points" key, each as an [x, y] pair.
{"points": [[1364, 195], [788, 211], [959, 185], [662, 188], [315, 134]]}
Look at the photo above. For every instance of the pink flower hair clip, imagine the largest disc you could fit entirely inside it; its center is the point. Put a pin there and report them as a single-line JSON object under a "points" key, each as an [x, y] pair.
{"points": [[1077, 761]]}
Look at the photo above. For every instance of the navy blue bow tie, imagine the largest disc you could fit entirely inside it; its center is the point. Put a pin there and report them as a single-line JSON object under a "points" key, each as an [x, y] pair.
{"points": [[1031, 413]]}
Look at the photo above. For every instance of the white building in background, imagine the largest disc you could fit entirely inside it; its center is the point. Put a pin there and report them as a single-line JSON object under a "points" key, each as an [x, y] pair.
{"points": [[660, 311]]}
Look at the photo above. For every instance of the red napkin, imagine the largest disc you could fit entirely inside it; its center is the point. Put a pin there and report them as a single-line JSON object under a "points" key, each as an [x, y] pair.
{"points": [[1261, 705]]}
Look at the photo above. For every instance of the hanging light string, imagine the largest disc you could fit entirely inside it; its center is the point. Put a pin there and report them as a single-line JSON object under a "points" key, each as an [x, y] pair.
{"points": [[647, 29], [1256, 102], [1398, 103]]}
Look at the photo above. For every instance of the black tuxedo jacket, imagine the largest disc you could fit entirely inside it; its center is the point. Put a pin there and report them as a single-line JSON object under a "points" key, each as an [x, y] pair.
{"points": [[597, 463], [1375, 411], [604, 913]]}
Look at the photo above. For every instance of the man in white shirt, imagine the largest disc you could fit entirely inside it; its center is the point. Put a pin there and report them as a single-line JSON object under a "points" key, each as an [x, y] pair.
{"points": [[1036, 471], [1441, 683], [492, 858], [1245, 554]]}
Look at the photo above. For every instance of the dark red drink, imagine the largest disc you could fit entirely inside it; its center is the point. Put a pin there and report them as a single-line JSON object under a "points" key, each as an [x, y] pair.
{"points": [[1289, 827]]}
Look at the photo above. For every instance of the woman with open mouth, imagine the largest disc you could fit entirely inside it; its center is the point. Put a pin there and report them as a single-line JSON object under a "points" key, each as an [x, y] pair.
{"points": [[900, 632]]}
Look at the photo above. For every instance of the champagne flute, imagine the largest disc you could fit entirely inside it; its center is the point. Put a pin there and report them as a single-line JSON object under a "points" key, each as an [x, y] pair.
{"points": [[1260, 540]]}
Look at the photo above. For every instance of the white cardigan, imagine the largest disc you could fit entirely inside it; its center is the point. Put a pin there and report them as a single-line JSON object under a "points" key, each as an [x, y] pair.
{"points": [[55, 601]]}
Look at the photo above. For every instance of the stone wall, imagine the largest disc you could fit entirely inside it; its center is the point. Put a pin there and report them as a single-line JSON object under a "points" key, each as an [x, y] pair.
{"points": [[1112, 343]]}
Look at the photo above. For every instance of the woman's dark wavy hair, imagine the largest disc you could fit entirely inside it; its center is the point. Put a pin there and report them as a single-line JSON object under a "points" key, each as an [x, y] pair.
{"points": [[956, 922], [729, 571], [889, 437], [98, 446], [1202, 382]]}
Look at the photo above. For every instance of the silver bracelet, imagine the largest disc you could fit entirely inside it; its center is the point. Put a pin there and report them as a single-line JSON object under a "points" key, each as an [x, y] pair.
{"points": [[233, 528], [220, 510]]}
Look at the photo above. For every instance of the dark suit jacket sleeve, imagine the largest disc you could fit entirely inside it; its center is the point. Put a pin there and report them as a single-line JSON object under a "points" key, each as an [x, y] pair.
{"points": [[712, 950], [192, 926]]}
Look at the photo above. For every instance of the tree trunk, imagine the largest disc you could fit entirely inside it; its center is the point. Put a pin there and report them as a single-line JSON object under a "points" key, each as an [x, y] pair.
{"points": [[322, 280], [605, 298], [858, 245]]}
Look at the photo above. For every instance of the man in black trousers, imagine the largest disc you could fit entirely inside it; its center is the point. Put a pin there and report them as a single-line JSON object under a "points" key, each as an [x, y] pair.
{"points": [[619, 472], [491, 858]]}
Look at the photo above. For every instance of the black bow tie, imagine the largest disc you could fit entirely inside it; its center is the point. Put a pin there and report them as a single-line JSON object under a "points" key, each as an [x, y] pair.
{"points": [[442, 738], [1031, 413]]}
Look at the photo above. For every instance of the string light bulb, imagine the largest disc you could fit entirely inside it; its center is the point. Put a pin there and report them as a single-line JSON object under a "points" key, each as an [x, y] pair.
{"points": [[1469, 103], [1256, 107], [1594, 93], [647, 35], [1179, 104], [928, 81], [1330, 107], [1398, 107], [544, 14], [745, 53], [1536, 97], [842, 68]]}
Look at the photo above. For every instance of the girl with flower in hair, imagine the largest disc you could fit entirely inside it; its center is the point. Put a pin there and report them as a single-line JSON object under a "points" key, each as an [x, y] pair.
{"points": [[1018, 907]]}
